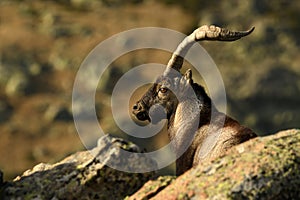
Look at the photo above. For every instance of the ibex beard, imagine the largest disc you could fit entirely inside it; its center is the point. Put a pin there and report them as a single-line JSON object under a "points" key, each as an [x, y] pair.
{"points": [[196, 129]]}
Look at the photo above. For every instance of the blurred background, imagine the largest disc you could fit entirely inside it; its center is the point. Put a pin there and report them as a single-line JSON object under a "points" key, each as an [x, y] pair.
{"points": [[42, 44]]}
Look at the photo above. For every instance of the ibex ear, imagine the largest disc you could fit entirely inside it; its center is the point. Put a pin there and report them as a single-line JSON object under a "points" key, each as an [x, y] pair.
{"points": [[188, 76]]}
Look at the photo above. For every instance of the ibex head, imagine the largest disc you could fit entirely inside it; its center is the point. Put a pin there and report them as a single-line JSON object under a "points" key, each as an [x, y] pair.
{"points": [[161, 99], [173, 87]]}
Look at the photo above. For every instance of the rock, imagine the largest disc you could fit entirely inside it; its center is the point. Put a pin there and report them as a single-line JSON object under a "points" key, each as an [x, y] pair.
{"points": [[262, 168], [152, 187], [84, 176]]}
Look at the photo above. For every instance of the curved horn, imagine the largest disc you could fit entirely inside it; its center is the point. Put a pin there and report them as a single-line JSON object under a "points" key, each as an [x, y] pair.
{"points": [[203, 33]]}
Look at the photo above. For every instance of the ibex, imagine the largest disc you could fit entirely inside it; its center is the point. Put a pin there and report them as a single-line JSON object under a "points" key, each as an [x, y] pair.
{"points": [[198, 131]]}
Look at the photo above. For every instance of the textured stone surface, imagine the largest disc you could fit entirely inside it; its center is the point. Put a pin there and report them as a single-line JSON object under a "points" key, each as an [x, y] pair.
{"points": [[262, 168], [152, 188], [83, 176]]}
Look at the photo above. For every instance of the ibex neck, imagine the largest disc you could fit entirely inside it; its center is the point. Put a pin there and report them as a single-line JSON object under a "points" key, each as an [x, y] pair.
{"points": [[184, 123], [188, 116]]}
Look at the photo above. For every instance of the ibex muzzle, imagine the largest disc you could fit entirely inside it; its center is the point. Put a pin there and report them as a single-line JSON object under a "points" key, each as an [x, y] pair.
{"points": [[140, 111], [185, 105]]}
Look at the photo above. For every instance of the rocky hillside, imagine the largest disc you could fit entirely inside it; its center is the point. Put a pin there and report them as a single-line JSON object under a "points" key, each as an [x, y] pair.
{"points": [[42, 44], [262, 168]]}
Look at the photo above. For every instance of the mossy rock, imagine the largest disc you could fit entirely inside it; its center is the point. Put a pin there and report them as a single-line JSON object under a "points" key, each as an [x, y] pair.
{"points": [[262, 168], [83, 175]]}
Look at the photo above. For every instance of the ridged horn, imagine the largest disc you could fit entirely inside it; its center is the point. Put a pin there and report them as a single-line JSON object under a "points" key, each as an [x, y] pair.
{"points": [[203, 33]]}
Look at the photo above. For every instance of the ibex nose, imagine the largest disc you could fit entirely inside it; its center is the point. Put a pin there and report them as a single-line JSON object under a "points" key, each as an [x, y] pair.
{"points": [[139, 111], [135, 107], [138, 107]]}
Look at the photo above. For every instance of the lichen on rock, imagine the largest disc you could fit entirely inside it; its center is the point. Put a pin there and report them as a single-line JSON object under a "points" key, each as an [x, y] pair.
{"points": [[83, 175], [262, 168], [152, 187]]}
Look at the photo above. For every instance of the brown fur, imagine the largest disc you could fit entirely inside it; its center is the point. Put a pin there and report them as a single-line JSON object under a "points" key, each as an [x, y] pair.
{"points": [[232, 133], [197, 130], [226, 130]]}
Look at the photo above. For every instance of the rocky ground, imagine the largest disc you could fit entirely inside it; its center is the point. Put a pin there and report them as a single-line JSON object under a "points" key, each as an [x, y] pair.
{"points": [[42, 44], [83, 175], [262, 168]]}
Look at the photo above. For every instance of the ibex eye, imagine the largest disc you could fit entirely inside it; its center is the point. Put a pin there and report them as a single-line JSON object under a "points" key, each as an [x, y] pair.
{"points": [[163, 90]]}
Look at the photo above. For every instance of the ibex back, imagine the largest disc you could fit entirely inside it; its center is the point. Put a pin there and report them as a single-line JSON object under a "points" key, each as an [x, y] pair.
{"points": [[198, 131]]}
